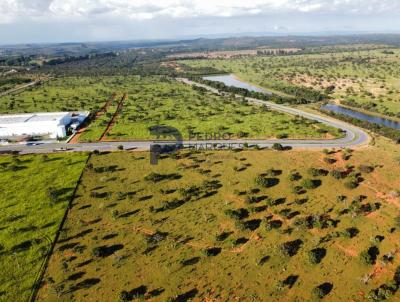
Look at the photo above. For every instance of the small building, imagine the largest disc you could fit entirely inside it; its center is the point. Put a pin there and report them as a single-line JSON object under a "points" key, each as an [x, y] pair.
{"points": [[54, 124]]}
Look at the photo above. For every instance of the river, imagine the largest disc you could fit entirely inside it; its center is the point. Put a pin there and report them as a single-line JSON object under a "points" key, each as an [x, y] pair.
{"points": [[362, 116], [231, 80]]}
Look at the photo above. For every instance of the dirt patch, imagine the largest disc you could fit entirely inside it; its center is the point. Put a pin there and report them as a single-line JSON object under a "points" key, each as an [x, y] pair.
{"points": [[102, 111], [114, 118]]}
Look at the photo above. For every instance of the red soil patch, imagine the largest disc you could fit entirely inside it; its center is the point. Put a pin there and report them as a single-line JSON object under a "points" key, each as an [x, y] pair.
{"points": [[102, 111], [114, 118], [348, 251]]}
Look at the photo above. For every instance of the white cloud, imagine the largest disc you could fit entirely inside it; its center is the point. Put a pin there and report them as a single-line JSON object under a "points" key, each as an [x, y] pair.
{"points": [[11, 10]]}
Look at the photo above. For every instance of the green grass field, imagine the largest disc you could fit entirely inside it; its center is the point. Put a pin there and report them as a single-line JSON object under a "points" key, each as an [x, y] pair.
{"points": [[156, 101], [98, 125], [62, 94], [35, 191], [224, 226], [153, 101], [366, 78]]}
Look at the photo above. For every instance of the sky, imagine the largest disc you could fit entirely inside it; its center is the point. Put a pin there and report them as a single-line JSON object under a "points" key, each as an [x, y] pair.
{"points": [[38, 21]]}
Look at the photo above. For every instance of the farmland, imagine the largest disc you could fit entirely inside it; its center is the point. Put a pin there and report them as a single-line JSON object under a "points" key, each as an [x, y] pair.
{"points": [[152, 101], [359, 78], [273, 226], [34, 197]]}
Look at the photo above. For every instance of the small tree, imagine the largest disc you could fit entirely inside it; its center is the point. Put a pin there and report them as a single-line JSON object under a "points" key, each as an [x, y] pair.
{"points": [[277, 147], [310, 183], [124, 296], [316, 255], [322, 290]]}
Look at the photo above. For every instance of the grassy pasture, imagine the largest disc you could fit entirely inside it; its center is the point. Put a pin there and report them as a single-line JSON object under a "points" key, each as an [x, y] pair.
{"points": [[155, 101], [366, 78], [33, 198], [173, 235], [62, 94], [98, 125]]}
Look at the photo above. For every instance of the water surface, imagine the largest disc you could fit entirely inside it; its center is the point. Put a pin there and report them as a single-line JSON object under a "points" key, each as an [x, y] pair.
{"points": [[362, 116], [231, 80]]}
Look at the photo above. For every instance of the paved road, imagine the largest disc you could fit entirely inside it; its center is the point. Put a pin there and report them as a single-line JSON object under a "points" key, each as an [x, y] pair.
{"points": [[353, 136], [18, 88]]}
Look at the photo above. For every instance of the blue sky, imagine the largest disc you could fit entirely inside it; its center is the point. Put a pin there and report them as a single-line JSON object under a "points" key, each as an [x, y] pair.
{"points": [[29, 21]]}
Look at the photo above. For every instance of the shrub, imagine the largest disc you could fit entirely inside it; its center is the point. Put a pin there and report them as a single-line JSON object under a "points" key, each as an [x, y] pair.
{"points": [[329, 160], [297, 189], [272, 172], [369, 256], [251, 199], [350, 232], [266, 182], [290, 248], [322, 290], [351, 184], [316, 255], [384, 292], [310, 183], [294, 176], [317, 172], [278, 147], [222, 236], [337, 174], [237, 214], [214, 251], [346, 156], [273, 224], [366, 169], [124, 296]]}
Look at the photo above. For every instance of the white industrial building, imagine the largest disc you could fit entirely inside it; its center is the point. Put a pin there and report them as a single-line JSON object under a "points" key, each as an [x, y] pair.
{"points": [[54, 124]]}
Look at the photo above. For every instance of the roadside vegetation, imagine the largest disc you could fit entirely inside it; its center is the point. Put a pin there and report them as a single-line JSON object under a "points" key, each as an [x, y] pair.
{"points": [[271, 225], [35, 192]]}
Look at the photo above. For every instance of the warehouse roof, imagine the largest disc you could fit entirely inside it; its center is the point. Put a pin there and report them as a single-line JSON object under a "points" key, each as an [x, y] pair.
{"points": [[32, 117]]}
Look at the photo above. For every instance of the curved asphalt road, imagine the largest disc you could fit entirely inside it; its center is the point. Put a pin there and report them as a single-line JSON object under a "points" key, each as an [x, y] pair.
{"points": [[354, 136]]}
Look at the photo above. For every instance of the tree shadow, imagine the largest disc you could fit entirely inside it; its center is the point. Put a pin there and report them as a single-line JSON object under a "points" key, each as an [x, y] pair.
{"points": [[144, 198], [85, 284], [290, 281], [214, 251], [252, 225], [129, 214], [190, 261], [76, 276], [263, 260], [79, 235], [25, 245], [68, 246], [156, 292], [110, 236], [105, 250], [84, 263], [186, 296]]}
